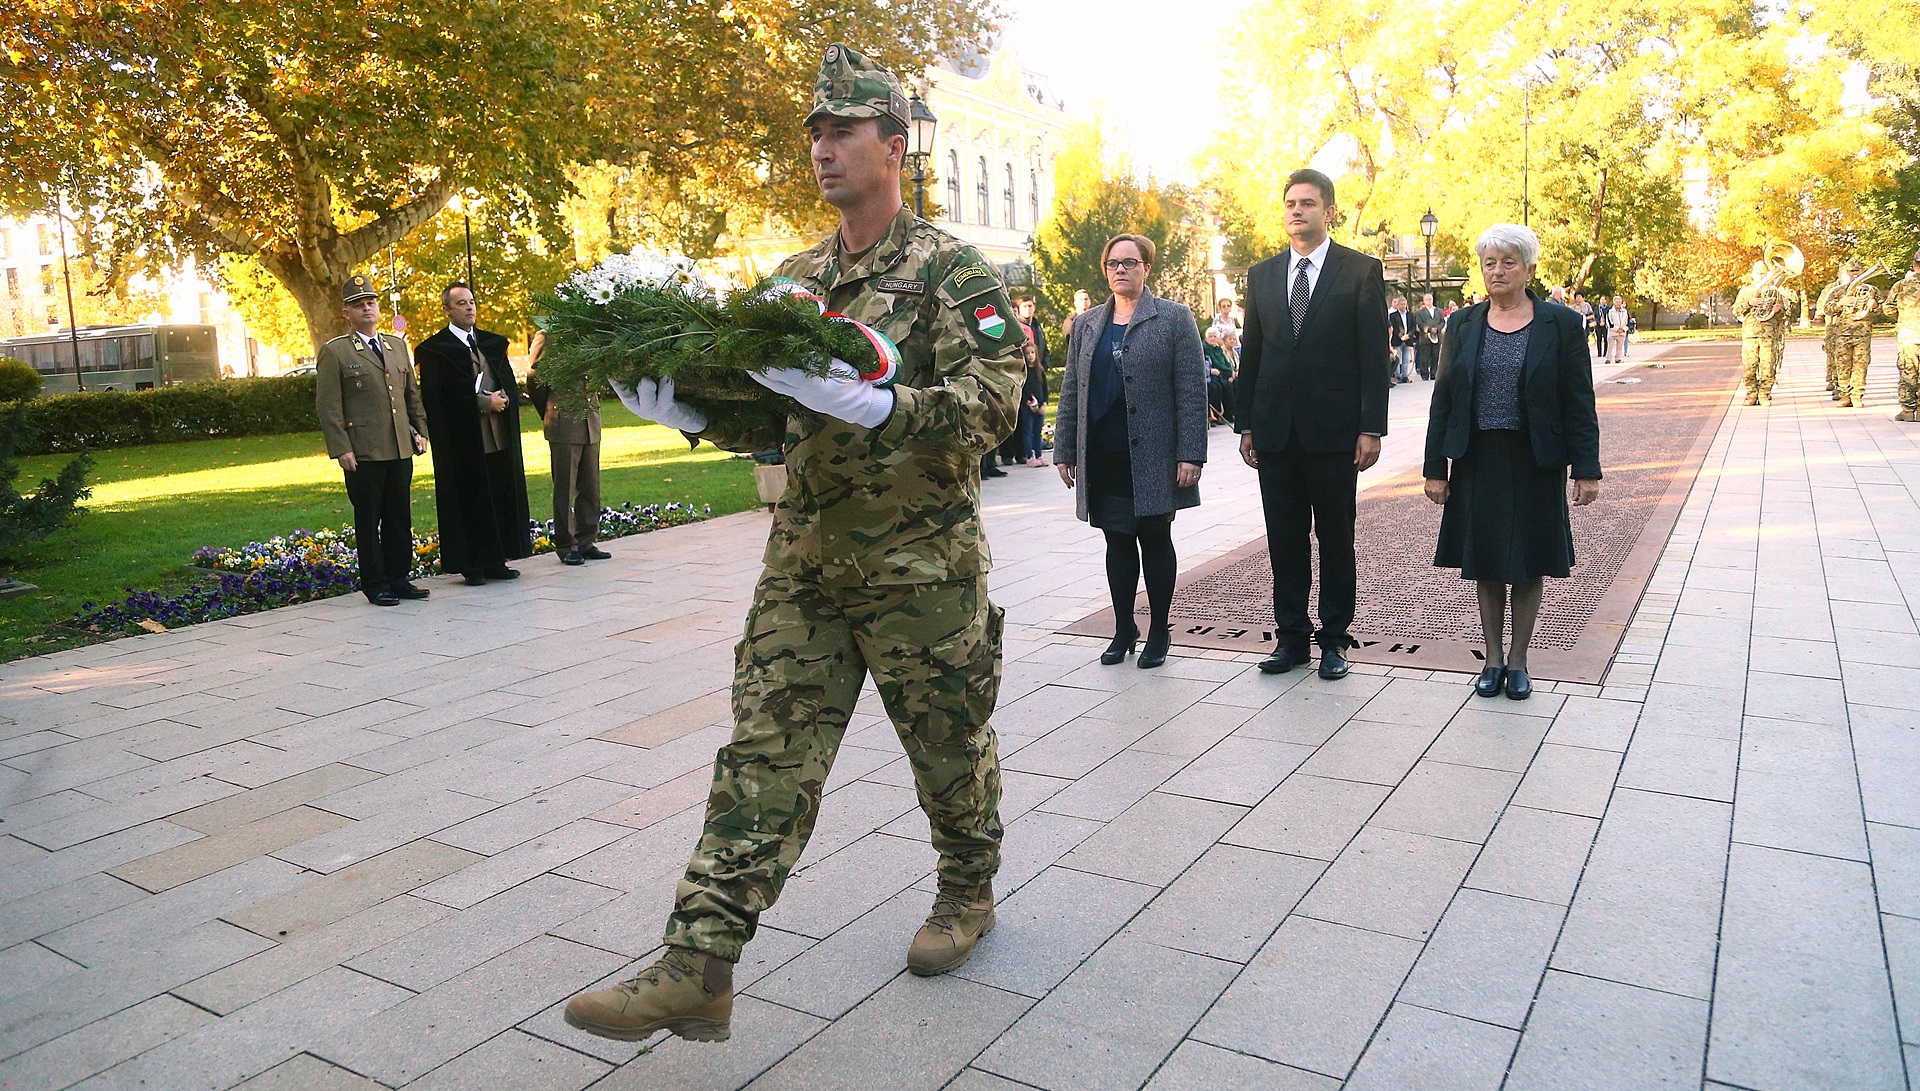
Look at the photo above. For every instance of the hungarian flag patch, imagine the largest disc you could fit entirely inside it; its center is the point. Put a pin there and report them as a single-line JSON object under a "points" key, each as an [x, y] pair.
{"points": [[989, 321]]}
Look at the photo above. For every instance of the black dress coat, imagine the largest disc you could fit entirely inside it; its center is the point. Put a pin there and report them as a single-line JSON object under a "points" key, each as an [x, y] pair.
{"points": [[481, 497], [1556, 392], [1329, 383]]}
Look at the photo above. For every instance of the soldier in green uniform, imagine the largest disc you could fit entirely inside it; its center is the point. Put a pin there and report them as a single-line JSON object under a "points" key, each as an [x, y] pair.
{"points": [[374, 423], [1764, 313], [1851, 320], [876, 564], [1903, 301], [1823, 310]]}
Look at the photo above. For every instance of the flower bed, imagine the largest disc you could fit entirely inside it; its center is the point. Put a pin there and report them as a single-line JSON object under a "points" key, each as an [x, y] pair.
{"points": [[317, 564]]}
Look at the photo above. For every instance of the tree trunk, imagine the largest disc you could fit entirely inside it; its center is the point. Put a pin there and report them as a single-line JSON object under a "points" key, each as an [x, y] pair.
{"points": [[1593, 234]]}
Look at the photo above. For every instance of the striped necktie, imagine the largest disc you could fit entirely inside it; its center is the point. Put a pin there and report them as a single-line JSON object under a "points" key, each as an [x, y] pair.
{"points": [[1297, 300]]}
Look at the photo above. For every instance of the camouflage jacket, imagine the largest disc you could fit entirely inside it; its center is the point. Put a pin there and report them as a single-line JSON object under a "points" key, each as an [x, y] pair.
{"points": [[1751, 307], [899, 504], [1903, 299]]}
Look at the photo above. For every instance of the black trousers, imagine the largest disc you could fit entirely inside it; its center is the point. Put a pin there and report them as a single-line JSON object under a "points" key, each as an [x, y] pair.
{"points": [[1304, 493], [382, 522], [1425, 355]]}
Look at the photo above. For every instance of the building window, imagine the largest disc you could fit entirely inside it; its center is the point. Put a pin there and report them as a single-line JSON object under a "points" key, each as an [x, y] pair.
{"points": [[1033, 197], [6, 243], [46, 280], [982, 196], [1006, 200], [953, 185], [13, 283], [46, 239]]}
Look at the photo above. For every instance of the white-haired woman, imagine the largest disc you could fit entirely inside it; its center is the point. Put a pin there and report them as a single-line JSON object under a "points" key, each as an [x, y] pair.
{"points": [[1512, 413]]}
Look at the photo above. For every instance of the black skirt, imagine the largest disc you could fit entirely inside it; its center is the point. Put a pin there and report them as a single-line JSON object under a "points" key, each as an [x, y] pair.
{"points": [[1110, 494], [1506, 515]]}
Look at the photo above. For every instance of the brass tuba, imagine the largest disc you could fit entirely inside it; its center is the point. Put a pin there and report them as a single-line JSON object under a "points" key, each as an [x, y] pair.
{"points": [[1857, 298], [1784, 262]]}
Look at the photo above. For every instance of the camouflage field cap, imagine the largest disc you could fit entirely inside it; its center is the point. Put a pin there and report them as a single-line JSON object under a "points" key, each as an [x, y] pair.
{"points": [[1853, 265], [850, 85], [357, 287]]}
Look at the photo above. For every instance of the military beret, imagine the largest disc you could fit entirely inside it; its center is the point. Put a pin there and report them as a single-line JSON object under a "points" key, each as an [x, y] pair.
{"points": [[357, 287], [850, 85]]}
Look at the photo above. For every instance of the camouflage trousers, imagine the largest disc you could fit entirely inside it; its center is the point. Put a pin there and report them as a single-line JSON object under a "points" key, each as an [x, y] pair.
{"points": [[1852, 350], [934, 652], [1761, 355], [1910, 376], [1833, 358]]}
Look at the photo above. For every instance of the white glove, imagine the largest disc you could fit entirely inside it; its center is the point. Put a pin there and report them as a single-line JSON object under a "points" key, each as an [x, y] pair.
{"points": [[652, 399], [841, 394]]}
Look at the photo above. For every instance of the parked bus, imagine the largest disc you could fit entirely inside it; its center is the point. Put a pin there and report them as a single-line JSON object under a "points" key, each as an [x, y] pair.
{"points": [[120, 357]]}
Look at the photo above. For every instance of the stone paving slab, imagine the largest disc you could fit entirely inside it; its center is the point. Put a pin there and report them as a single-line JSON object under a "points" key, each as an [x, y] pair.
{"points": [[331, 847]]}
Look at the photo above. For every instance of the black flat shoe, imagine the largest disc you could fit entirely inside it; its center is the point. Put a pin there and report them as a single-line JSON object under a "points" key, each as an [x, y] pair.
{"points": [[409, 591], [1333, 663], [474, 579], [1492, 680], [1121, 647], [384, 598], [503, 573], [1281, 661], [571, 559], [1155, 652], [1519, 686], [595, 553]]}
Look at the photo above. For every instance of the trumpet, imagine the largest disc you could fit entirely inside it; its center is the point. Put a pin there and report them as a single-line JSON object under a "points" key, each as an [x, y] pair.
{"points": [[1784, 262]]}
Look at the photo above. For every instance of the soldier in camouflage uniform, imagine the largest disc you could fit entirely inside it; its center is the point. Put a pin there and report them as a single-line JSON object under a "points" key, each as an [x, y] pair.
{"points": [[1903, 301], [1823, 310], [1851, 320], [1764, 314], [876, 564]]}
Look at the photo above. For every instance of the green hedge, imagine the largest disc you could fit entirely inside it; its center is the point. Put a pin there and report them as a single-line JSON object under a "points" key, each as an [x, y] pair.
{"points": [[100, 420]]}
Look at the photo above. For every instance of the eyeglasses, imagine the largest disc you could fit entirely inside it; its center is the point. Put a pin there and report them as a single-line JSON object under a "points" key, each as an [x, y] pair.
{"points": [[1118, 265]]}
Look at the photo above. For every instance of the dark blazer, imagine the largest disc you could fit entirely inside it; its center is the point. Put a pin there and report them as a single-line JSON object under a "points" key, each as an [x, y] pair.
{"points": [[1400, 323], [1556, 391], [1328, 384], [1166, 388]]}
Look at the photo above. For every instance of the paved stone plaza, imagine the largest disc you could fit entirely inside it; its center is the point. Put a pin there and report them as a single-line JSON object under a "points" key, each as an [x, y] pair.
{"points": [[336, 847]]}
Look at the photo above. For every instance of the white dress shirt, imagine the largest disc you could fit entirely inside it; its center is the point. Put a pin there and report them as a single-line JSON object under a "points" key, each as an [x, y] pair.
{"points": [[1319, 259], [465, 336]]}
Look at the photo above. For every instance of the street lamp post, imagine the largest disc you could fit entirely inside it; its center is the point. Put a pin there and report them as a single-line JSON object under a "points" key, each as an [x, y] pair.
{"points": [[1429, 224], [73, 328], [925, 127]]}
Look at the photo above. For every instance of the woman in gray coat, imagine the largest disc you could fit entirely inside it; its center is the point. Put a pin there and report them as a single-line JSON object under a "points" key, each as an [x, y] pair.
{"points": [[1133, 418]]}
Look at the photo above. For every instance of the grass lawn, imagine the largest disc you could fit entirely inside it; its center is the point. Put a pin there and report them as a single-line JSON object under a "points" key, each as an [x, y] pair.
{"points": [[153, 506]]}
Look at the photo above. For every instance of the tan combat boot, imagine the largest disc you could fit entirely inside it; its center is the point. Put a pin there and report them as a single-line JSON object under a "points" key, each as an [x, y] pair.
{"points": [[686, 992], [1766, 398], [961, 915], [1908, 415], [1752, 398]]}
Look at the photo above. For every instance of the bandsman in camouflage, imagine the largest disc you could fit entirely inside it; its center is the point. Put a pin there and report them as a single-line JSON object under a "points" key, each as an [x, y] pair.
{"points": [[1850, 320], [1823, 312], [1764, 313], [876, 564], [1903, 301]]}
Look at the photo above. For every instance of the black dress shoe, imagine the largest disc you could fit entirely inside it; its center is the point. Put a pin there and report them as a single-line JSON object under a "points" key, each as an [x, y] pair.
{"points": [[1282, 660], [409, 591], [502, 573], [571, 558], [595, 553], [1333, 662], [993, 471], [1492, 680], [474, 579], [1121, 647], [1519, 686], [1154, 653], [384, 598]]}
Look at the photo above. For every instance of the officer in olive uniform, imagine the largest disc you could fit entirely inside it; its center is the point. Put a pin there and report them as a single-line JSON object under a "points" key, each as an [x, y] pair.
{"points": [[373, 422], [1903, 301], [1764, 313], [1851, 319], [876, 564]]}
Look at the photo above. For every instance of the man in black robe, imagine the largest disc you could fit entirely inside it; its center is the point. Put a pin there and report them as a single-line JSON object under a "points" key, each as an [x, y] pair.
{"points": [[479, 481]]}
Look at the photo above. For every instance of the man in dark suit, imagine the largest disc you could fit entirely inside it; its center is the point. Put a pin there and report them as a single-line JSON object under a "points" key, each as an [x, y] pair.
{"points": [[1400, 337], [479, 481], [1312, 392], [1429, 324]]}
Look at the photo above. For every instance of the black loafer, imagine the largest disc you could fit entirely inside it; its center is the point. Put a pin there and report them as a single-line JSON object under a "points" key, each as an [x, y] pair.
{"points": [[409, 591], [1519, 686], [502, 573], [595, 553], [1492, 680], [384, 598], [1281, 661], [571, 558], [1333, 663], [474, 579]]}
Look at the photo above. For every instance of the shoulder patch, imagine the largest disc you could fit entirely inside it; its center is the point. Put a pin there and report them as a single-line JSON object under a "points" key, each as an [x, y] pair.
{"points": [[967, 273]]}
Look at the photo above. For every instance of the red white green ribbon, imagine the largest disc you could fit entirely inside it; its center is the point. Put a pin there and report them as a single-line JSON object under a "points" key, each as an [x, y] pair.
{"points": [[886, 368]]}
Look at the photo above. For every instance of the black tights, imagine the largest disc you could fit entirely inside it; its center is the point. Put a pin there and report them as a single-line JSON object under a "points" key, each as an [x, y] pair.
{"points": [[1150, 550]]}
